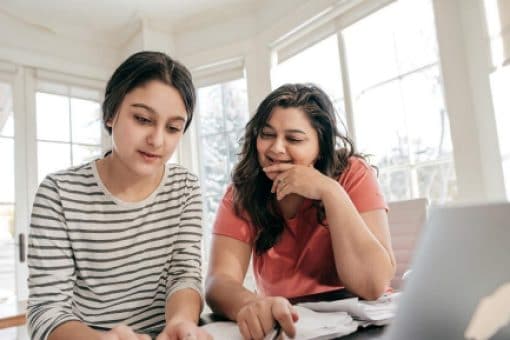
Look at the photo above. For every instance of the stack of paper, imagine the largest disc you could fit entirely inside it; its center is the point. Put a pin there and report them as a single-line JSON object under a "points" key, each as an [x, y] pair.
{"points": [[378, 312], [310, 326]]}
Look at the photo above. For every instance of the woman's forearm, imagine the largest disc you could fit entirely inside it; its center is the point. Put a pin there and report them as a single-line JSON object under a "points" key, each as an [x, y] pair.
{"points": [[363, 264], [227, 296]]}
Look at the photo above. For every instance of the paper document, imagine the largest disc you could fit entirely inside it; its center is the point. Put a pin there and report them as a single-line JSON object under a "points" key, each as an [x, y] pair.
{"points": [[377, 312], [310, 326]]}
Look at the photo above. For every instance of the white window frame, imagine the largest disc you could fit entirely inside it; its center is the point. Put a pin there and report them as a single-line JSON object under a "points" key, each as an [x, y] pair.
{"points": [[24, 81], [333, 21]]}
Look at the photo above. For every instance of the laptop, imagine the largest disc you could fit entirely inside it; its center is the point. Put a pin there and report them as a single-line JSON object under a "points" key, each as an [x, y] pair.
{"points": [[463, 257]]}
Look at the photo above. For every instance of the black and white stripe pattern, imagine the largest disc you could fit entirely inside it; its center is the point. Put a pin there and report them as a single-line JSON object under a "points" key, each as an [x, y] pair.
{"points": [[99, 260]]}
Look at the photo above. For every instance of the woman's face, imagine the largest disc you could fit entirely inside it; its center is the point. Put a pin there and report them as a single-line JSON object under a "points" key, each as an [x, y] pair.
{"points": [[287, 137], [147, 128]]}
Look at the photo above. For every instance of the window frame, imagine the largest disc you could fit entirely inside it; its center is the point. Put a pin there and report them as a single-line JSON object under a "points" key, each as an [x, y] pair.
{"points": [[335, 21]]}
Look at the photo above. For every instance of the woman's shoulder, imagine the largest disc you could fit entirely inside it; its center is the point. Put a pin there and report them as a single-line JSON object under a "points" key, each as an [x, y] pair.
{"points": [[356, 165]]}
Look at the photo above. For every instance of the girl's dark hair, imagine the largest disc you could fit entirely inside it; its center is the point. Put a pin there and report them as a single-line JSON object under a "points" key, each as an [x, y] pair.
{"points": [[252, 188], [139, 69]]}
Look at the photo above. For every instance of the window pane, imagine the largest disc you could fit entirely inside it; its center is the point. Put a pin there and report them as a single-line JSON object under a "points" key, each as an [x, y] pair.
{"points": [[234, 147], [7, 252], [370, 49], [223, 113], [211, 204], [6, 115], [235, 104], [506, 172], [427, 120], [500, 83], [395, 185], [415, 36], [399, 113], [395, 40], [221, 124], [7, 170], [52, 117], [86, 121], [52, 157], [318, 64], [380, 125], [214, 163], [83, 154], [437, 182], [210, 109]]}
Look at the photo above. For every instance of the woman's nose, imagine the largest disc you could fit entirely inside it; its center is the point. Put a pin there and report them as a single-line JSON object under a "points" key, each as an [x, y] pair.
{"points": [[278, 146]]}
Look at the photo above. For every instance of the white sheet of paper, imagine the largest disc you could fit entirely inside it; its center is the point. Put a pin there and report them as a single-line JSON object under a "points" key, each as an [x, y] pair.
{"points": [[310, 326]]}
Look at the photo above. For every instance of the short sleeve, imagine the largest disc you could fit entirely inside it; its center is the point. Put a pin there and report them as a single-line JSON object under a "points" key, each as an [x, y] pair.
{"points": [[227, 223], [360, 182]]}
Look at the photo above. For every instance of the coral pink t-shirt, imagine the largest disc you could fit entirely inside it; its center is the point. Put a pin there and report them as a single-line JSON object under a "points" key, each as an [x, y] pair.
{"points": [[302, 262]]}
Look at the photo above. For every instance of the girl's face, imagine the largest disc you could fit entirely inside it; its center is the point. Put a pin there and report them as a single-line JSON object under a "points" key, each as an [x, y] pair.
{"points": [[147, 128], [287, 137]]}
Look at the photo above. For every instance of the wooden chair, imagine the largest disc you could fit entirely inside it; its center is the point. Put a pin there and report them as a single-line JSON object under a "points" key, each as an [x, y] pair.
{"points": [[406, 219]]}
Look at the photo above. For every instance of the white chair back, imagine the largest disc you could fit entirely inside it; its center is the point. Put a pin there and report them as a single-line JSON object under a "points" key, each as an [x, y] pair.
{"points": [[406, 219]]}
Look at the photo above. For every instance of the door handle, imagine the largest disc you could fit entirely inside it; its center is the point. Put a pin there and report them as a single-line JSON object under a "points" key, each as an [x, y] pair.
{"points": [[22, 251]]}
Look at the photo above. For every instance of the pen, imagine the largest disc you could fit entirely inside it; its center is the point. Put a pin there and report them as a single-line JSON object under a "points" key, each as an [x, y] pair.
{"points": [[278, 330]]}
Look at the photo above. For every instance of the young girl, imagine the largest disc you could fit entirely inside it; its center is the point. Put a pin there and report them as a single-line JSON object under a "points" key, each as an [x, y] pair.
{"points": [[309, 209], [115, 244]]}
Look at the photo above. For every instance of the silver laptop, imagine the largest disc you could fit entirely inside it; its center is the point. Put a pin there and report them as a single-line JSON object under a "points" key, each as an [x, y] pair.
{"points": [[463, 256]]}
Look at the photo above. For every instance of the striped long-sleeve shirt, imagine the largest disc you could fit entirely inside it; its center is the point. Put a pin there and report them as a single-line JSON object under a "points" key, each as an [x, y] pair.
{"points": [[102, 261]]}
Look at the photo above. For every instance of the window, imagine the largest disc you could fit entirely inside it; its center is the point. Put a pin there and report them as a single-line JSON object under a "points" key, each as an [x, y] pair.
{"points": [[223, 113], [7, 232], [68, 129], [500, 83], [318, 64], [398, 108]]}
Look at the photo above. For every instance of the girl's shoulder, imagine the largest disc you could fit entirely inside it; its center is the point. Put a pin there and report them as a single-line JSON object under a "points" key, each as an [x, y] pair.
{"points": [[82, 173], [177, 172]]}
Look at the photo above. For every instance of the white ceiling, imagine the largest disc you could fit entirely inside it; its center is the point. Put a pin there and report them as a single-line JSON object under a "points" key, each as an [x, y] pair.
{"points": [[107, 18]]}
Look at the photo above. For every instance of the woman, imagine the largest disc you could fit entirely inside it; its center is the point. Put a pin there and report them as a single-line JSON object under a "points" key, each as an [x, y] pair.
{"points": [[308, 208], [115, 244]]}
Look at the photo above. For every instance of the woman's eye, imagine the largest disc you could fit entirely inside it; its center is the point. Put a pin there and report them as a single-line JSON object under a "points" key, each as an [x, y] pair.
{"points": [[294, 140]]}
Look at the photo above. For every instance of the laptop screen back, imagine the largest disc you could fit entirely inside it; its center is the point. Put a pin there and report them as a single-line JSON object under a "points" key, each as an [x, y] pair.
{"points": [[462, 257]]}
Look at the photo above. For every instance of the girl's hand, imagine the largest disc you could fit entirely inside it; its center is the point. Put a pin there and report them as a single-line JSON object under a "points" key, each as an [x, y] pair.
{"points": [[258, 318], [122, 332], [303, 180], [184, 330]]}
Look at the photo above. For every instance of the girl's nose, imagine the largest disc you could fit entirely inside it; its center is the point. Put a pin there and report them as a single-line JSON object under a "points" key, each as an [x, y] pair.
{"points": [[155, 137]]}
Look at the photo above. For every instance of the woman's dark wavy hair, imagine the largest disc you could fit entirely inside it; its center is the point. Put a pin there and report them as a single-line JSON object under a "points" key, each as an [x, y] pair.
{"points": [[252, 188], [138, 70]]}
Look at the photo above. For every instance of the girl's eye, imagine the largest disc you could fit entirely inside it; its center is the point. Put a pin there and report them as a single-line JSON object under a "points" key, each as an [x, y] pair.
{"points": [[142, 120], [264, 134], [173, 129]]}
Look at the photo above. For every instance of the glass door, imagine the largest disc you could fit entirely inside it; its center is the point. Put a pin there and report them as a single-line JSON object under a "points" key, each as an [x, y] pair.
{"points": [[8, 242]]}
